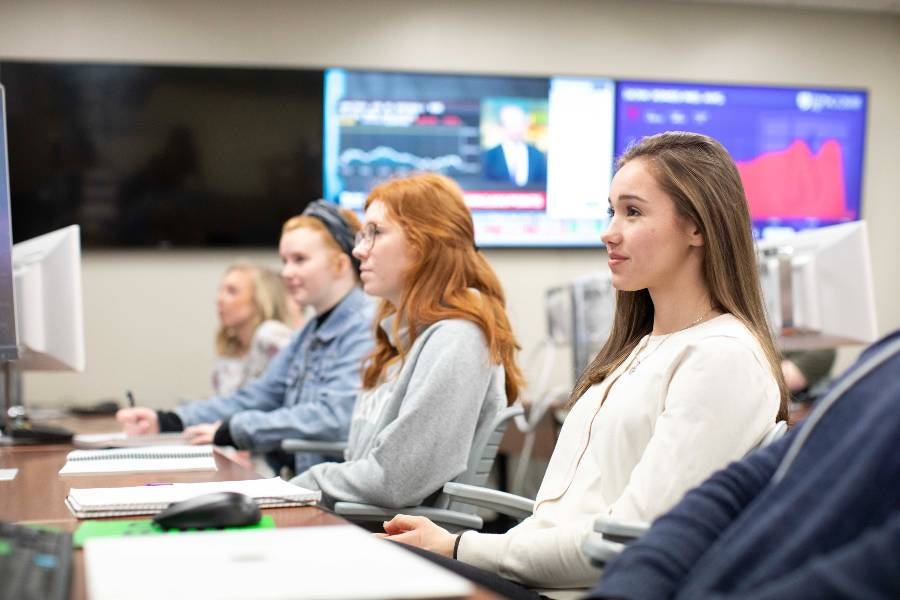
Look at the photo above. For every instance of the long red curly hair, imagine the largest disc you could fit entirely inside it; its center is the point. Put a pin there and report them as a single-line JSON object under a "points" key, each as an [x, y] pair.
{"points": [[429, 208]]}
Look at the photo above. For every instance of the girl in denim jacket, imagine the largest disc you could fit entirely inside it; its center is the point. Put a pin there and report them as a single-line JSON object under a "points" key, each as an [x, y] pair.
{"points": [[310, 387]]}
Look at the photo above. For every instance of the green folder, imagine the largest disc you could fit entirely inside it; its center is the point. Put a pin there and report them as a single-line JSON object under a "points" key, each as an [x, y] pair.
{"points": [[104, 528]]}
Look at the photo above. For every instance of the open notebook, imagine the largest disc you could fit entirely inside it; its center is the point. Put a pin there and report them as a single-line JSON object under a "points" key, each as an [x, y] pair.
{"points": [[312, 563], [119, 439], [88, 503], [126, 460]]}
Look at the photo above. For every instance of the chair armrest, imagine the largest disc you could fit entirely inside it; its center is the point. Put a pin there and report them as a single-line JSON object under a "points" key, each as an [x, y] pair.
{"points": [[502, 502], [599, 550], [620, 531], [367, 512], [318, 446]]}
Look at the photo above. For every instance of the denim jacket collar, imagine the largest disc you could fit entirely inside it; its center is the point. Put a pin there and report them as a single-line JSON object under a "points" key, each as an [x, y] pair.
{"points": [[339, 321]]}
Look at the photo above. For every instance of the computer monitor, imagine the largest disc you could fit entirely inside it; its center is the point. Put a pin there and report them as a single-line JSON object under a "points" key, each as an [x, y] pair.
{"points": [[593, 311], [580, 314], [41, 324], [47, 273], [47, 280], [9, 340], [818, 287]]}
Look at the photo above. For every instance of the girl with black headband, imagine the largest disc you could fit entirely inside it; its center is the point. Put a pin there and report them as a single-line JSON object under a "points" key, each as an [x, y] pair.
{"points": [[310, 387]]}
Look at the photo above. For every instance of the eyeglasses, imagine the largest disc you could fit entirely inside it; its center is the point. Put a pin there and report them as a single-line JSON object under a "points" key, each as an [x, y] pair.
{"points": [[365, 237]]}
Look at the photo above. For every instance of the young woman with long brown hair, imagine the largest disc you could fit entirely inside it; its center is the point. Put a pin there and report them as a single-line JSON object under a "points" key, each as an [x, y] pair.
{"points": [[688, 380], [443, 363]]}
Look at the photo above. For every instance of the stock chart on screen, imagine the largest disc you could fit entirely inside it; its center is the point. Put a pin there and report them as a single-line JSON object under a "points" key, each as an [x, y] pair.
{"points": [[799, 151]]}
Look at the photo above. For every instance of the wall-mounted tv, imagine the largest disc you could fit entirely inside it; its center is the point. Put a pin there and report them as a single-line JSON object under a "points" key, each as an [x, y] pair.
{"points": [[180, 156], [533, 155], [799, 150]]}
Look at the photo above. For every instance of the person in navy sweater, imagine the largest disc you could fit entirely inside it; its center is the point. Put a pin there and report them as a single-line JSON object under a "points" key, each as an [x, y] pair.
{"points": [[814, 515]]}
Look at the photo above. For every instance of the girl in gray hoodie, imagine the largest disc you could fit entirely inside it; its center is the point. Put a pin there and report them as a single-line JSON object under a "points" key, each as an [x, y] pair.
{"points": [[443, 363]]}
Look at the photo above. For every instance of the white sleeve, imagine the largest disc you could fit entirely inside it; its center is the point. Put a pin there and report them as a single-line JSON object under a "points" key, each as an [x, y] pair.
{"points": [[536, 556]]}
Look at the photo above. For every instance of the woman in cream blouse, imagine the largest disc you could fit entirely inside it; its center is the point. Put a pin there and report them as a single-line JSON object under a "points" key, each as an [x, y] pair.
{"points": [[688, 380]]}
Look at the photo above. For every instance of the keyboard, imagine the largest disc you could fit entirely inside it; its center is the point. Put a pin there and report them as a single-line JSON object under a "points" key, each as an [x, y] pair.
{"points": [[34, 564]]}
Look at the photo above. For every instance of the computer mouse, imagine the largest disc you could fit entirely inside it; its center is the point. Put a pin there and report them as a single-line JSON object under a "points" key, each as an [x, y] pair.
{"points": [[23, 431], [219, 509]]}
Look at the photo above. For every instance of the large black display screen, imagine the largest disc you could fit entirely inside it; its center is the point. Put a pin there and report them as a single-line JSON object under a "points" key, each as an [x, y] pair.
{"points": [[167, 156]]}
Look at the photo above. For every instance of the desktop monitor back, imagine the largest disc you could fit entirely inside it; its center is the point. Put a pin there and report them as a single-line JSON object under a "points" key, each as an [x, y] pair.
{"points": [[593, 312], [580, 314], [818, 287], [47, 273]]}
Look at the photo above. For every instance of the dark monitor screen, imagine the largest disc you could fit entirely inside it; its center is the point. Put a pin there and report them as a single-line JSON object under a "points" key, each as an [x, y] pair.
{"points": [[799, 150], [532, 154], [180, 156]]}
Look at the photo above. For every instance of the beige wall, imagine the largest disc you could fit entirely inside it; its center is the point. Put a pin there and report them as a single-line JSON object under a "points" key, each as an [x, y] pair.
{"points": [[149, 315]]}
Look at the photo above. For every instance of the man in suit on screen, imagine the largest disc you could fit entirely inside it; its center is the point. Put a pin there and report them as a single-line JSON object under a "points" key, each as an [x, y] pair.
{"points": [[514, 160]]}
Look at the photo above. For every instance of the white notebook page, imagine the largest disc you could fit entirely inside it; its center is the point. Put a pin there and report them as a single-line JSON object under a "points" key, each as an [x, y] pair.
{"points": [[87, 503], [128, 460]]}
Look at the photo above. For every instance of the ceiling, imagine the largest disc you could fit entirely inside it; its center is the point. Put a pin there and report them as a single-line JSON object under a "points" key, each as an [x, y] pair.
{"points": [[891, 7]]}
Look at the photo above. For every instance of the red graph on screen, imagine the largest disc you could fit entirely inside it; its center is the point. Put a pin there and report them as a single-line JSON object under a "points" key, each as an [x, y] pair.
{"points": [[795, 183]]}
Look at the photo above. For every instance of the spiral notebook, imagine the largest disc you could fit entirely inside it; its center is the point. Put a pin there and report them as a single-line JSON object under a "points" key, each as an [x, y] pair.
{"points": [[133, 460], [119, 439], [90, 503]]}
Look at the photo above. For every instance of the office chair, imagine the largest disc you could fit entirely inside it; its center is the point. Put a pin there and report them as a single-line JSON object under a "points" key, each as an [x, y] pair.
{"points": [[613, 534], [441, 509], [543, 398], [578, 316]]}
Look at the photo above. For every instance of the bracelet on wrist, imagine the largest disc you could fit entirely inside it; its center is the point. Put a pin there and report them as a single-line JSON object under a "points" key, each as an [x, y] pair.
{"points": [[456, 545]]}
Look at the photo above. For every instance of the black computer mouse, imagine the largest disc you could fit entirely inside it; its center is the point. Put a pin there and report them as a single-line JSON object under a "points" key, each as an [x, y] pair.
{"points": [[219, 509]]}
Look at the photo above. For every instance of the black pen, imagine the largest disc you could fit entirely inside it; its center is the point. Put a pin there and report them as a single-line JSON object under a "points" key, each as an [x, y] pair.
{"points": [[130, 397]]}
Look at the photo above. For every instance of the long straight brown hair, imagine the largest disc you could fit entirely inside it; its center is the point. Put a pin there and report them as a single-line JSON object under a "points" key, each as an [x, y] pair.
{"points": [[429, 208], [700, 177]]}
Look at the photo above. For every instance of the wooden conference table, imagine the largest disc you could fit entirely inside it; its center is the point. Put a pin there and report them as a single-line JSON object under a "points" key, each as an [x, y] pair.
{"points": [[36, 494]]}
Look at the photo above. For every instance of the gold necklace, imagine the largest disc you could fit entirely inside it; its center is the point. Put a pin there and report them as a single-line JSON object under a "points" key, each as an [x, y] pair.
{"points": [[638, 359]]}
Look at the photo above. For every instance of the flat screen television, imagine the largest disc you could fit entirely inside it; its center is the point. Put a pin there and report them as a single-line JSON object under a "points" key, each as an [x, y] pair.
{"points": [[532, 154], [173, 156], [799, 150]]}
